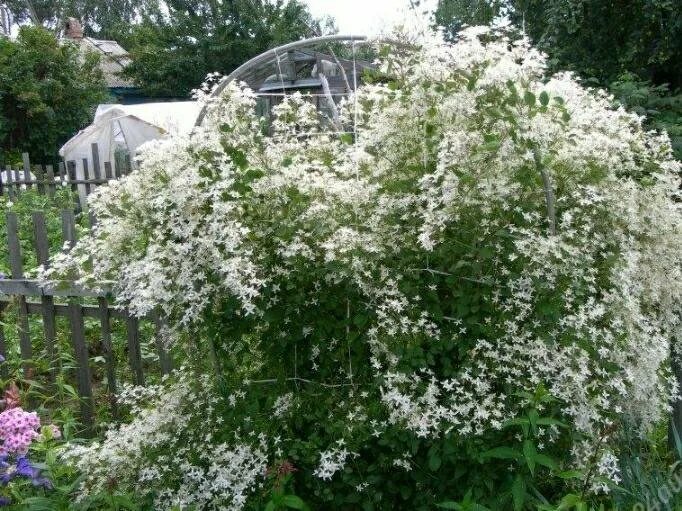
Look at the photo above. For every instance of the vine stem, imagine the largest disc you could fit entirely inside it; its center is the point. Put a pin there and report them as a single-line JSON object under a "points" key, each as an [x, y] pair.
{"points": [[303, 380], [549, 191]]}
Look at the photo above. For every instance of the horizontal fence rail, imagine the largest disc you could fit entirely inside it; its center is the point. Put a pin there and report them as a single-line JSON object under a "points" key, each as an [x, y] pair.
{"points": [[73, 303], [82, 177]]}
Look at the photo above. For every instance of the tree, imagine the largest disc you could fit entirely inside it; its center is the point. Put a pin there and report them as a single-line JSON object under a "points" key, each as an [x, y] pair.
{"points": [[454, 14], [106, 19], [595, 38], [605, 42], [172, 54], [49, 91]]}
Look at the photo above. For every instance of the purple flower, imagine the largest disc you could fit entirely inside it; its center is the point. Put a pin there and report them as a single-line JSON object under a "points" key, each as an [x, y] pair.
{"points": [[24, 468], [5, 501]]}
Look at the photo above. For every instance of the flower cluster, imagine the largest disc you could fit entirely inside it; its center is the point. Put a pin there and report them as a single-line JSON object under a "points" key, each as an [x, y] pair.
{"points": [[18, 429], [481, 234], [172, 452]]}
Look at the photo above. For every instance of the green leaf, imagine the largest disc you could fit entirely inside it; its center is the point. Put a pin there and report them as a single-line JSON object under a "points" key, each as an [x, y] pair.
{"points": [[548, 421], [294, 502], [569, 501], [434, 462], [544, 98], [546, 461], [529, 452], [346, 138], [450, 505], [270, 506], [529, 98], [519, 421], [518, 492], [533, 418], [502, 453], [571, 474]]}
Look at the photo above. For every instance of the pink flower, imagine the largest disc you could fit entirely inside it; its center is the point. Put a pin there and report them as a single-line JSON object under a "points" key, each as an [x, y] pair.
{"points": [[18, 429]]}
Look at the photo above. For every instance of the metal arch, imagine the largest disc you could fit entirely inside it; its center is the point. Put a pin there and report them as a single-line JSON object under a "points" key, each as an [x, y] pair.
{"points": [[269, 54]]}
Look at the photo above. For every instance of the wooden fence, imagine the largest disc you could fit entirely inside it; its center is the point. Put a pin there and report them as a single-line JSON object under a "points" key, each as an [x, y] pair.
{"points": [[74, 303], [46, 179]]}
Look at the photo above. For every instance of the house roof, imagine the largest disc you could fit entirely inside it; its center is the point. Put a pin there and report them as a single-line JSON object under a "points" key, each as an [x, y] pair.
{"points": [[113, 60]]}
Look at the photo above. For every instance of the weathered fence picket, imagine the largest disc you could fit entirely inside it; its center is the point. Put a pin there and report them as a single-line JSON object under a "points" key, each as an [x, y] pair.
{"points": [[17, 270], [67, 301], [46, 181]]}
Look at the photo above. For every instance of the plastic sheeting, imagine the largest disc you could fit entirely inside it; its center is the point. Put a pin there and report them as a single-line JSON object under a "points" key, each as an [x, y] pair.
{"points": [[124, 128]]}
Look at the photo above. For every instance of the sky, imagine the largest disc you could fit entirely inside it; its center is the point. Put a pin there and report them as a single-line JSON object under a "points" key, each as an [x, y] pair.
{"points": [[365, 17]]}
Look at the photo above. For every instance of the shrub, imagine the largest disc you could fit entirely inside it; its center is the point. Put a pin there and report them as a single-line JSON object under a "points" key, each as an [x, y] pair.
{"points": [[49, 91], [466, 296]]}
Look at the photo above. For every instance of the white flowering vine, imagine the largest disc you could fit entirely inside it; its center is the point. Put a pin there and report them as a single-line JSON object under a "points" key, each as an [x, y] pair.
{"points": [[481, 232]]}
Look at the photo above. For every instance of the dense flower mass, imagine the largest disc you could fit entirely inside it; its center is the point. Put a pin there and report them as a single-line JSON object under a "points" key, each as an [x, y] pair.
{"points": [[483, 241], [175, 442], [18, 429]]}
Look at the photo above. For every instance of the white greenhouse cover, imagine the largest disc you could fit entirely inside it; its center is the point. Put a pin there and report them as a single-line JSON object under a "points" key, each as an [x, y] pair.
{"points": [[126, 127]]}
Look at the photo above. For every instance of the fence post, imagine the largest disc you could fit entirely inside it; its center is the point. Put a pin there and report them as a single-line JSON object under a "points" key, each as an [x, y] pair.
{"points": [[77, 325], [17, 183], [47, 302], [49, 173], [71, 169], [80, 350], [62, 173], [27, 170], [18, 273], [95, 161], [134, 354], [104, 318], [86, 177], [39, 171], [10, 192]]}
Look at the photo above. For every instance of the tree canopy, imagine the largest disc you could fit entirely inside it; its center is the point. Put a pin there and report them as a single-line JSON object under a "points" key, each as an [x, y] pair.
{"points": [[634, 47], [101, 18], [595, 38], [173, 53], [49, 91]]}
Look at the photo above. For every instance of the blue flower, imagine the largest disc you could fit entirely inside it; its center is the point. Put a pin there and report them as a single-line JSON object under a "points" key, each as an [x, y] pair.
{"points": [[5, 501], [24, 468]]}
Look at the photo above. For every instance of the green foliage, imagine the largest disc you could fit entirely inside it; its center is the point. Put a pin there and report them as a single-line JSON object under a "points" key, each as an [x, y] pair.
{"points": [[172, 54], [48, 92], [595, 38], [101, 18], [634, 51], [662, 108], [453, 14], [28, 202]]}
